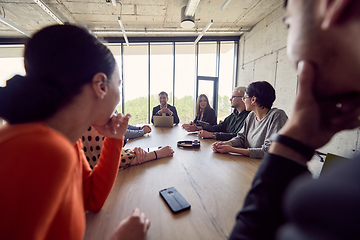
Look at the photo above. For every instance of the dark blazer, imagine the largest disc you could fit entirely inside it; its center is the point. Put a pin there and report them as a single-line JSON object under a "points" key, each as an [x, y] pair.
{"points": [[209, 117], [172, 108]]}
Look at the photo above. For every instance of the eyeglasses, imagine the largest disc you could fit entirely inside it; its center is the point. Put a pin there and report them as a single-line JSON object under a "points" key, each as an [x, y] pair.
{"points": [[244, 98], [232, 97]]}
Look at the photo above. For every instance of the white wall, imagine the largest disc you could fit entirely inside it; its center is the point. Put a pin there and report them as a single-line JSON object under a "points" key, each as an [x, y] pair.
{"points": [[262, 57]]}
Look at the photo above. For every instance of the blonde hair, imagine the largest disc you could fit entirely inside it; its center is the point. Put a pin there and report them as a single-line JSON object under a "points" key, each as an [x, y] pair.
{"points": [[240, 90]]}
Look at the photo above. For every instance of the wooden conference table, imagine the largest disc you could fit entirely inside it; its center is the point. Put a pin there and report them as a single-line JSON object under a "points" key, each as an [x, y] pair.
{"points": [[214, 184]]}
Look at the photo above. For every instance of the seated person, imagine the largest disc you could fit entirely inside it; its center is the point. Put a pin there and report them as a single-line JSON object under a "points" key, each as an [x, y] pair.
{"points": [[135, 132], [203, 113], [93, 142], [253, 140], [232, 124], [47, 185], [165, 109], [285, 202]]}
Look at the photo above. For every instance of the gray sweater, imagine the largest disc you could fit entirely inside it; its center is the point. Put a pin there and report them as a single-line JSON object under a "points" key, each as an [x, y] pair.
{"points": [[255, 134]]}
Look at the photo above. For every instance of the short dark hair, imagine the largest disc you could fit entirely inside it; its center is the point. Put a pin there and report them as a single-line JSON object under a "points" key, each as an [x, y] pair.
{"points": [[164, 93], [59, 60], [264, 93]]}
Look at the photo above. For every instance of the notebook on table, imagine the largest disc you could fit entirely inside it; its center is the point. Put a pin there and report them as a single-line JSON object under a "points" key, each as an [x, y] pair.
{"points": [[163, 121]]}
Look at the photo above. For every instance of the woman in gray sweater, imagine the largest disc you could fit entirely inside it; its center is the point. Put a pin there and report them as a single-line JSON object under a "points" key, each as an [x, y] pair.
{"points": [[253, 140]]}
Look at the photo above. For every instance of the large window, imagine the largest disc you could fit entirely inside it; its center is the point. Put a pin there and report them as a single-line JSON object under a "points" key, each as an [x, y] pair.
{"points": [[185, 81], [226, 78], [136, 82], [148, 68], [11, 62], [161, 71]]}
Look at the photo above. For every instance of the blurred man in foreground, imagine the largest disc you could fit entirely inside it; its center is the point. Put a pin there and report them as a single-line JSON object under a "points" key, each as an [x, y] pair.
{"points": [[284, 201]]}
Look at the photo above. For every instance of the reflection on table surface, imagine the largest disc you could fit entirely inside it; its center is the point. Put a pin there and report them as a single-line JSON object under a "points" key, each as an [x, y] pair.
{"points": [[214, 184]]}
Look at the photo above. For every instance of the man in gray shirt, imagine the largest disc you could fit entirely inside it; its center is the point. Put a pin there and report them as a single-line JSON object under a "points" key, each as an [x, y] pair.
{"points": [[253, 139]]}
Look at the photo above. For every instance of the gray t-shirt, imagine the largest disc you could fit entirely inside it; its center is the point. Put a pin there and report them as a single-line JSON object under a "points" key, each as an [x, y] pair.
{"points": [[255, 135]]}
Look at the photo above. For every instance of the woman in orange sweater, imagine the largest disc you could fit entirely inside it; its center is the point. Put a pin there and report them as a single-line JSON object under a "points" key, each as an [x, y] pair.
{"points": [[72, 81]]}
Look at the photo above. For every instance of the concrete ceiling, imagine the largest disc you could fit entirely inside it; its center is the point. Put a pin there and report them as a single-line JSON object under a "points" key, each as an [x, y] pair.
{"points": [[140, 17]]}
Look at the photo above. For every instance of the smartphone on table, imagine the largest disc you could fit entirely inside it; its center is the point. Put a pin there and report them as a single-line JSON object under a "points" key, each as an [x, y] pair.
{"points": [[174, 200]]}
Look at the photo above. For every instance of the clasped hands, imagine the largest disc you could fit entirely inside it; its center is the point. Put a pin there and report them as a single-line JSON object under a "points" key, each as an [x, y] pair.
{"points": [[222, 147], [165, 110]]}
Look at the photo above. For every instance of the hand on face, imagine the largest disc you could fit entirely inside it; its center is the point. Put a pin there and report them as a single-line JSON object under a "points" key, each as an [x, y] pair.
{"points": [[133, 227], [116, 126], [205, 134], [313, 122]]}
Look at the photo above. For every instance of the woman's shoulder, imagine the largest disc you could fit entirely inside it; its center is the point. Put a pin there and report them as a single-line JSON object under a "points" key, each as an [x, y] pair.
{"points": [[277, 113], [210, 110], [251, 115], [35, 138]]}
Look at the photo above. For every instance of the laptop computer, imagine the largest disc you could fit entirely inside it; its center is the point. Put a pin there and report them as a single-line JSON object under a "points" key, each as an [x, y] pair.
{"points": [[163, 121]]}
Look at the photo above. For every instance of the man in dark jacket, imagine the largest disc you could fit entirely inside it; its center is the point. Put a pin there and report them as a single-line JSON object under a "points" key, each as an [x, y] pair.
{"points": [[164, 108], [232, 124]]}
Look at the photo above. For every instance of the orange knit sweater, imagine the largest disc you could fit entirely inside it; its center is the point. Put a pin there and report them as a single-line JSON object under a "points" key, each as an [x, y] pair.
{"points": [[46, 183]]}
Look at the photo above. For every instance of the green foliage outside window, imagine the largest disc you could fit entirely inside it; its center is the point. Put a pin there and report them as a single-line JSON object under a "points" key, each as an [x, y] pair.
{"points": [[138, 108]]}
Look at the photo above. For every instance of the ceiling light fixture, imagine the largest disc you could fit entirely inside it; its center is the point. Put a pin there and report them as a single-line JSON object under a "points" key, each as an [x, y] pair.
{"points": [[48, 11], [203, 32], [225, 4], [187, 22], [123, 31], [10, 24]]}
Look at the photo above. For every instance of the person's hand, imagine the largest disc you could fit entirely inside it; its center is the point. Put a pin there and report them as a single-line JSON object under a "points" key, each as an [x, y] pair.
{"points": [[116, 126], [214, 146], [314, 122], [146, 128], [166, 110], [133, 227], [205, 134], [221, 147], [165, 152], [140, 154], [190, 127], [185, 125]]}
